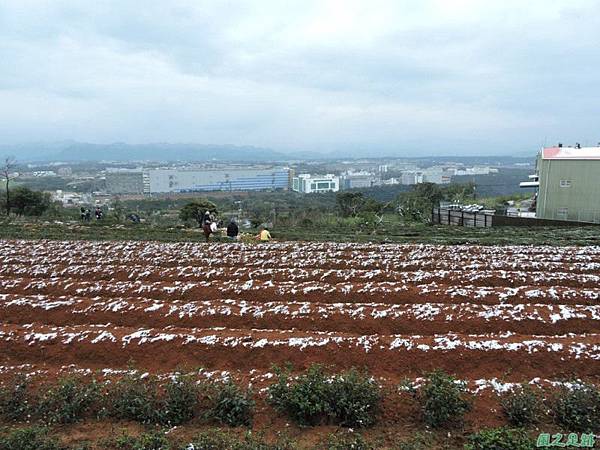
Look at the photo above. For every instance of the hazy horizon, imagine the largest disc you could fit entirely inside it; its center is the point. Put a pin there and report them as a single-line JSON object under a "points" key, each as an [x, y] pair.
{"points": [[386, 77]]}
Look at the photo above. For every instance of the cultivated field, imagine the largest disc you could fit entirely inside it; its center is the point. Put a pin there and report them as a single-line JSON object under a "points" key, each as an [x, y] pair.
{"points": [[493, 316], [484, 313]]}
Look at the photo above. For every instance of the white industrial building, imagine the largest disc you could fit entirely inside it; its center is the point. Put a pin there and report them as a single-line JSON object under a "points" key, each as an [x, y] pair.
{"points": [[477, 170], [362, 179], [191, 179], [437, 176], [411, 177], [308, 184]]}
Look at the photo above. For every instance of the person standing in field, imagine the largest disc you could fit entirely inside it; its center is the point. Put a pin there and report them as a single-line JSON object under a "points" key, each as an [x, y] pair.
{"points": [[264, 235], [232, 230]]}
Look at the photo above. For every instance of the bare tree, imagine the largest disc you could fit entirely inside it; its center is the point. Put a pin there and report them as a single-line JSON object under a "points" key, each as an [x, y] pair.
{"points": [[6, 171]]}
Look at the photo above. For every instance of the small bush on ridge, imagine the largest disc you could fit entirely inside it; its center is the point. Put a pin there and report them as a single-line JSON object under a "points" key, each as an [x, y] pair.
{"points": [[134, 398], [577, 408], [154, 440], [347, 441], [418, 441], [32, 438], [216, 439], [349, 399], [16, 400], [305, 399], [354, 399], [443, 400], [181, 399], [522, 407], [500, 439], [68, 401], [231, 405]]}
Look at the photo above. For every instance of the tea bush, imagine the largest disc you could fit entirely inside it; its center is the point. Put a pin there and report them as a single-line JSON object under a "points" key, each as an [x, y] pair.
{"points": [[346, 441], [522, 407], [577, 408], [443, 400], [306, 399], [154, 440], [418, 441], [180, 401], [232, 405], [500, 439], [134, 398], [31, 438], [349, 398], [216, 439], [354, 399], [68, 401], [16, 400]]}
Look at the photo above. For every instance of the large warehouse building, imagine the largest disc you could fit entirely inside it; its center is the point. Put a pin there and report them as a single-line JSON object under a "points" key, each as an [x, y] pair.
{"points": [[218, 179], [125, 181], [568, 184], [227, 178]]}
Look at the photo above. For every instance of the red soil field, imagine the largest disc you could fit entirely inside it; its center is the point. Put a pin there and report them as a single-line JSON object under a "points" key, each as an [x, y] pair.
{"points": [[492, 316]]}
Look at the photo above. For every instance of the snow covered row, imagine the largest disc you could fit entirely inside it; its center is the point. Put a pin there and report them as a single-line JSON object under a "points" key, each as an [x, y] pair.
{"points": [[538, 312]]}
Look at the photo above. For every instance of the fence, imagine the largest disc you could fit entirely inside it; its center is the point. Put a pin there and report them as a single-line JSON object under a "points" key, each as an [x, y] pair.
{"points": [[444, 216], [457, 217]]}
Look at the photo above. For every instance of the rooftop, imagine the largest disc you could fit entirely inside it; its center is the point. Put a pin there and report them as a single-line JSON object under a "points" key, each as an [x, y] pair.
{"points": [[571, 153]]}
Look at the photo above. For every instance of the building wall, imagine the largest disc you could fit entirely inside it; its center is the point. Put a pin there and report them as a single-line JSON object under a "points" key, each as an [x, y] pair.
{"points": [[577, 197], [234, 179], [353, 182], [125, 182], [308, 185]]}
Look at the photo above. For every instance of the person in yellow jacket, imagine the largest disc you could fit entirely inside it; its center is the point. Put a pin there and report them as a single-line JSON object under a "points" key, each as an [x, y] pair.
{"points": [[264, 235]]}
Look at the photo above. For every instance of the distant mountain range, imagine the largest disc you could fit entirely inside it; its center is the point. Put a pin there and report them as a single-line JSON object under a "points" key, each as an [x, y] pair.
{"points": [[83, 151], [78, 151]]}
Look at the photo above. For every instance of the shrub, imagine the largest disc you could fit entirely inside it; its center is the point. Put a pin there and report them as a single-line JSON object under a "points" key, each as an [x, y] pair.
{"points": [[133, 398], [577, 408], [180, 401], [442, 400], [155, 440], [16, 400], [349, 399], [305, 400], [68, 400], [231, 405], [82, 446], [256, 441], [419, 441], [32, 438], [522, 407], [347, 441], [219, 440], [500, 439], [354, 399], [151, 441], [212, 440]]}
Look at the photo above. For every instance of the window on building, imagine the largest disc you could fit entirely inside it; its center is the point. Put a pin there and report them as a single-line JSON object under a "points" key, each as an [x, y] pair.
{"points": [[562, 213], [323, 185], [313, 186], [565, 183]]}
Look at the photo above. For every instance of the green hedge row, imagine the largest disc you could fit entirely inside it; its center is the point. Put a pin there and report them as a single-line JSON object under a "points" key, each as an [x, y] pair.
{"points": [[348, 399]]}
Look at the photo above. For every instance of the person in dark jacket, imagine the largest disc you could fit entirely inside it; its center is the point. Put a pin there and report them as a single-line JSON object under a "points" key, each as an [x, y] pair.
{"points": [[232, 230]]}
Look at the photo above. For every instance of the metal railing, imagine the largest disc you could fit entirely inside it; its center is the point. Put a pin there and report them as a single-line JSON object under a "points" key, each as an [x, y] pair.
{"points": [[461, 218]]}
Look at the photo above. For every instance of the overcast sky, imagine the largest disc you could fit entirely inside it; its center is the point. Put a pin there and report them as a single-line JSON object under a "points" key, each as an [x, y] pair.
{"points": [[384, 76]]}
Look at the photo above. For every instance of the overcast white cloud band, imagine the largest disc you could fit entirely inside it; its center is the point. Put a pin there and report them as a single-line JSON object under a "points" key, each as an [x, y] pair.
{"points": [[404, 77]]}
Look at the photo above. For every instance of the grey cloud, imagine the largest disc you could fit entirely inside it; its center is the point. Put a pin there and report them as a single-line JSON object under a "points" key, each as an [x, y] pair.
{"points": [[494, 79]]}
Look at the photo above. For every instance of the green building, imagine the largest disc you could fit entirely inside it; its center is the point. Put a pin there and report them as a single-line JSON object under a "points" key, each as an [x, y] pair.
{"points": [[568, 184]]}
